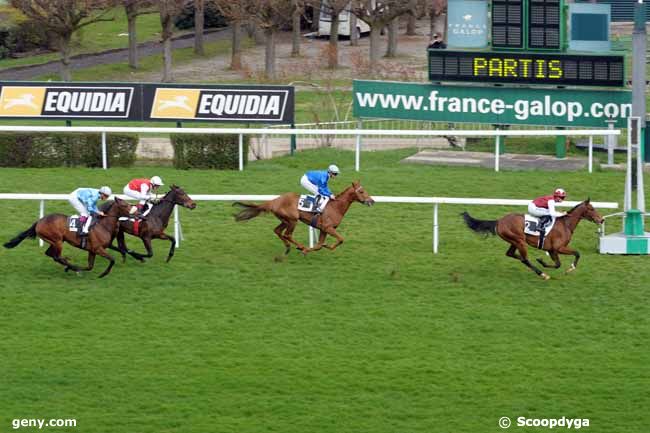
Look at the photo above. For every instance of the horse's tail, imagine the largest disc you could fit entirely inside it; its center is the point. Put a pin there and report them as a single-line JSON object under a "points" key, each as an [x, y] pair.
{"points": [[29, 233], [249, 211], [480, 226]]}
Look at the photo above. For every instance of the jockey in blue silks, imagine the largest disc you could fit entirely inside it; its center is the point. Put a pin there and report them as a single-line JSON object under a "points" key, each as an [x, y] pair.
{"points": [[316, 183], [84, 200]]}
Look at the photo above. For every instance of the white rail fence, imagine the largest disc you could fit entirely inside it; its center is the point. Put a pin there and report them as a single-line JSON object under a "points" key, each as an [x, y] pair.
{"points": [[436, 202], [358, 133]]}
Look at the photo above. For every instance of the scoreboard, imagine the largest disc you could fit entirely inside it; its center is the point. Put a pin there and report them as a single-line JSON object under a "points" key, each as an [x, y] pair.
{"points": [[533, 24], [557, 69]]}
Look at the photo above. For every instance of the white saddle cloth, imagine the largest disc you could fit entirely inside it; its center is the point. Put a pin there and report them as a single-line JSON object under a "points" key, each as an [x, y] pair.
{"points": [[531, 223], [306, 203]]}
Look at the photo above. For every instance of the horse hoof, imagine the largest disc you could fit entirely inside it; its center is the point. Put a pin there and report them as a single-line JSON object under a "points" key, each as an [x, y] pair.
{"points": [[545, 277], [571, 269]]}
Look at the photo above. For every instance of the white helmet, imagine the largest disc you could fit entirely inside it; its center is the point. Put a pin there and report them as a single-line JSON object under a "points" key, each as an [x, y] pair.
{"points": [[105, 190], [333, 169], [156, 180]]}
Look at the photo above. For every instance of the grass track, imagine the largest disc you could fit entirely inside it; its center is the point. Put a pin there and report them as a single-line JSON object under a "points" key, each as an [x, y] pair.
{"points": [[378, 336]]}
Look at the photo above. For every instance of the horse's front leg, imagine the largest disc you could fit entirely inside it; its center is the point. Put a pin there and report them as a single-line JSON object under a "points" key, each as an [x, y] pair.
{"points": [[556, 260], [339, 239], [320, 244], [571, 252], [172, 248]]}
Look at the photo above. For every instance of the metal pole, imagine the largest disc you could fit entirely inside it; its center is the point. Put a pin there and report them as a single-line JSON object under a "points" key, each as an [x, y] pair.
{"points": [[640, 193], [496, 152], [104, 152], [611, 143], [591, 154], [241, 152], [41, 214], [627, 204], [177, 227], [357, 152], [435, 228]]}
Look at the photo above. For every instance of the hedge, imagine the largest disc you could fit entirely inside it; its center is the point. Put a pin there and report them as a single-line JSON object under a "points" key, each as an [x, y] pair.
{"points": [[56, 150], [207, 151]]}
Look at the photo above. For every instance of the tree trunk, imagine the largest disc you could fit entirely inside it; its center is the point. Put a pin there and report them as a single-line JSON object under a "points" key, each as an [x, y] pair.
{"points": [[411, 24], [199, 20], [333, 48], [133, 40], [393, 28], [295, 50], [354, 34], [65, 50], [375, 41], [269, 61], [167, 33], [235, 62], [316, 17]]}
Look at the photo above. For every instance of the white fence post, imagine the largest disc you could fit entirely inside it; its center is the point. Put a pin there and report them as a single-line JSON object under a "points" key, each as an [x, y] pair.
{"points": [[104, 152], [241, 152], [496, 151], [357, 151], [41, 214], [311, 237], [591, 154], [177, 227], [435, 228]]}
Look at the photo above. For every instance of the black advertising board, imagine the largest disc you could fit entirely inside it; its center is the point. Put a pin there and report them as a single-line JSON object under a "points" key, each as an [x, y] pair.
{"points": [[147, 102], [226, 103], [527, 68], [45, 100]]}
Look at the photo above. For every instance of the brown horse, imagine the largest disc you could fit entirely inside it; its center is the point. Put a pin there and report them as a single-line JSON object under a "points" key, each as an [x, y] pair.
{"points": [[153, 225], [510, 228], [285, 208], [54, 230]]}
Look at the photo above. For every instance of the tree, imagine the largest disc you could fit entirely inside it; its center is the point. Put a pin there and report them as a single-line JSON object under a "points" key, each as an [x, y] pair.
{"points": [[62, 18], [412, 18], [199, 21], [271, 16], [437, 14], [133, 9], [377, 14], [299, 7], [334, 8], [393, 28], [236, 12], [168, 9]]}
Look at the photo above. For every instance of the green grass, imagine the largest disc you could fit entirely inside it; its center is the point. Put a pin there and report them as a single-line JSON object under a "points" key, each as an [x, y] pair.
{"points": [[378, 336], [98, 37]]}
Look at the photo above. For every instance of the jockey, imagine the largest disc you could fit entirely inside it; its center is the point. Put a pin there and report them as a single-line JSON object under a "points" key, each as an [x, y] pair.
{"points": [[84, 200], [141, 189], [544, 207], [316, 183]]}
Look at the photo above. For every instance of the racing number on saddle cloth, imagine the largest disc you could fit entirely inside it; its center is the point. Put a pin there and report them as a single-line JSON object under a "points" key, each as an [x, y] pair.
{"points": [[531, 226]]}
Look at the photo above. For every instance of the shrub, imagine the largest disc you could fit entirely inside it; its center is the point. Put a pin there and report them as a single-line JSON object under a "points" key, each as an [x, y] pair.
{"points": [[213, 18], [18, 34], [207, 151], [56, 150]]}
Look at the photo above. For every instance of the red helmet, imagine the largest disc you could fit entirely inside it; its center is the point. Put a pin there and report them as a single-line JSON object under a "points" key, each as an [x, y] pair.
{"points": [[559, 193]]}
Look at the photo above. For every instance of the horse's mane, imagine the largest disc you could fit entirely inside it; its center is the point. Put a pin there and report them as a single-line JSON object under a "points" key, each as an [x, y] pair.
{"points": [[105, 207], [577, 206]]}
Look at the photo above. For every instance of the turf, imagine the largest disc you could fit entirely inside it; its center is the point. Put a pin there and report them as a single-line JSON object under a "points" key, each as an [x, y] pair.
{"points": [[378, 336]]}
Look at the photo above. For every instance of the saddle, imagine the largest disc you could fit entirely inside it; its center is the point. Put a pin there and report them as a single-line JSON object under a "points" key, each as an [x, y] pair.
{"points": [[309, 203], [532, 227]]}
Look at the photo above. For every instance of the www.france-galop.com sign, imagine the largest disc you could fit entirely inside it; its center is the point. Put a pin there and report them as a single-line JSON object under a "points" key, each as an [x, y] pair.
{"points": [[491, 105]]}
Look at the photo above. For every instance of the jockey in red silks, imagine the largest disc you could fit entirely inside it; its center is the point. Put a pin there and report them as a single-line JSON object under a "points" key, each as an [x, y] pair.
{"points": [[544, 207], [141, 189]]}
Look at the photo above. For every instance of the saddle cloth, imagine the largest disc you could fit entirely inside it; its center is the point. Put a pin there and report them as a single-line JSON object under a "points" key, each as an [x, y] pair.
{"points": [[136, 223], [307, 203], [75, 226], [531, 223]]}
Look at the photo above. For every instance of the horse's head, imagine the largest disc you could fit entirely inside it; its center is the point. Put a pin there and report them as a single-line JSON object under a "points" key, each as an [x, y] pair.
{"points": [[361, 195], [119, 208], [589, 213], [181, 198]]}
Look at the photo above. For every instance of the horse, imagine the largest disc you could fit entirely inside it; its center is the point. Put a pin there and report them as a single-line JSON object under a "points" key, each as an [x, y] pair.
{"points": [[153, 225], [285, 208], [54, 230], [510, 228]]}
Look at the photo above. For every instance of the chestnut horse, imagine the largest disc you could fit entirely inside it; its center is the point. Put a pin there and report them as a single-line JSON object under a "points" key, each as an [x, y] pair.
{"points": [[54, 230], [510, 228], [153, 225], [285, 208]]}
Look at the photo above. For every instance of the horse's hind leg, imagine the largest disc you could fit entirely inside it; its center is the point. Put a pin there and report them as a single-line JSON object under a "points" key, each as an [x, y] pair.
{"points": [[288, 235], [523, 251], [55, 250], [278, 231], [571, 252], [556, 260], [512, 253]]}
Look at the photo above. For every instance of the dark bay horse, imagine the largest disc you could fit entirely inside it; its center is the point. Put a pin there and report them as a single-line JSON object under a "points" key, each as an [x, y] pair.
{"points": [[285, 208], [510, 228], [54, 230], [154, 224]]}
